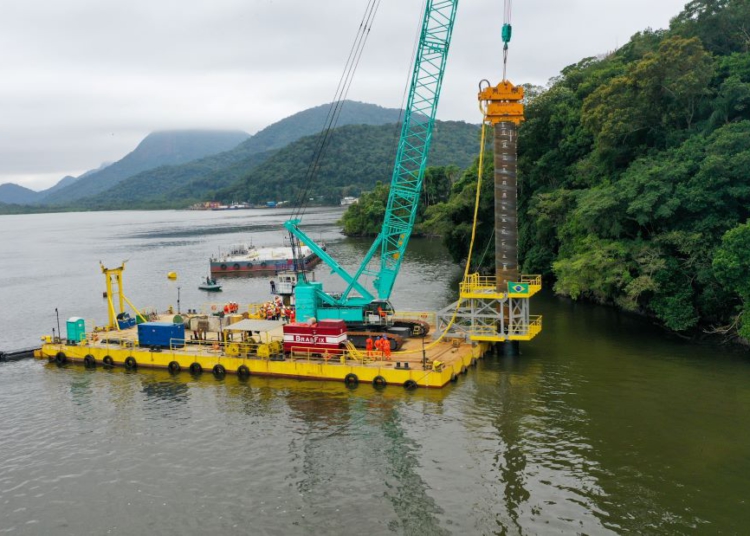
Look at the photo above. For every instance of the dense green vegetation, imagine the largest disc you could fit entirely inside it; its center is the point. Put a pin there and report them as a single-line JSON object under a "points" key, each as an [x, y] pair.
{"points": [[178, 186], [366, 217], [357, 157], [635, 166], [634, 176]]}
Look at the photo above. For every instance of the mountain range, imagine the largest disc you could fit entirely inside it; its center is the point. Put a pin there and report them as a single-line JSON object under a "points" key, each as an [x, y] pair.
{"points": [[13, 193], [174, 169], [157, 149]]}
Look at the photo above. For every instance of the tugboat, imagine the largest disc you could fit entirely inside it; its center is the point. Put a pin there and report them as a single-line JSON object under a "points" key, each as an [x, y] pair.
{"points": [[210, 285]]}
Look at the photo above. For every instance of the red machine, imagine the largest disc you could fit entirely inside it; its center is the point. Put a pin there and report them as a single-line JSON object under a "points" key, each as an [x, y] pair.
{"points": [[324, 337]]}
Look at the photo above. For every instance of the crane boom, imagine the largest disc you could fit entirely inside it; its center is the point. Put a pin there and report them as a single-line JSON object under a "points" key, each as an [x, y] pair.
{"points": [[406, 182], [414, 143]]}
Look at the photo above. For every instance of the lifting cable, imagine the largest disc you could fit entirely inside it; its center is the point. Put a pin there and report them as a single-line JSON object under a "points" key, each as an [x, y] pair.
{"points": [[337, 103], [480, 170], [486, 249], [407, 83], [507, 32]]}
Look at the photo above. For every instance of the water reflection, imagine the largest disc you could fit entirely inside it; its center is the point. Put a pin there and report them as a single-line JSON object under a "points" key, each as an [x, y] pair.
{"points": [[170, 391], [359, 441], [541, 469]]}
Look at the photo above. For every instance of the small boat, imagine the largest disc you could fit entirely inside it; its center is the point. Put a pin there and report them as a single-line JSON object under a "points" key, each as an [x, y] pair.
{"points": [[210, 285]]}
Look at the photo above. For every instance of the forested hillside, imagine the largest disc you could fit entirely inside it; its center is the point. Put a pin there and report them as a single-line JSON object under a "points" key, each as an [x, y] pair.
{"points": [[312, 120], [635, 176], [358, 156], [178, 186], [636, 166]]}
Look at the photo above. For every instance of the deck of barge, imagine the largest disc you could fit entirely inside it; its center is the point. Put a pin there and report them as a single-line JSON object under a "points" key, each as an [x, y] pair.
{"points": [[420, 363]]}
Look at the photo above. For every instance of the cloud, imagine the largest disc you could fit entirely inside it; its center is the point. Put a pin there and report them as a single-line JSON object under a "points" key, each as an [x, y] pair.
{"points": [[84, 81]]}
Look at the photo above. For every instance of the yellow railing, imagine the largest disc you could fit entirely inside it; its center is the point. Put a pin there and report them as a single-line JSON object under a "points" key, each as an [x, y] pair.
{"points": [[480, 284], [476, 283], [484, 331], [525, 331], [533, 328]]}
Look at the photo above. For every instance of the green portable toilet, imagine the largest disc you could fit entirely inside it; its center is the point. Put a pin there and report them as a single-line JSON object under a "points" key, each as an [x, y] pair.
{"points": [[76, 329]]}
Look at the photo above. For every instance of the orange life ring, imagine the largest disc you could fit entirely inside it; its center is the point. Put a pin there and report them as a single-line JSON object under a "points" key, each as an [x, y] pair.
{"points": [[215, 346], [213, 307]]}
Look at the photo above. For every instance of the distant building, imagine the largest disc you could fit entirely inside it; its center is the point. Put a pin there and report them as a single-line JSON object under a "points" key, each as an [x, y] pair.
{"points": [[206, 205], [345, 202]]}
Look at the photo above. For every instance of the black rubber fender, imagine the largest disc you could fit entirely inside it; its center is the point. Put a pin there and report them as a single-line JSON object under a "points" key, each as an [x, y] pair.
{"points": [[61, 358], [89, 361], [219, 371], [223, 266], [108, 362], [130, 363], [410, 384], [351, 380], [379, 381], [195, 368], [454, 377], [464, 370], [243, 371], [174, 367]]}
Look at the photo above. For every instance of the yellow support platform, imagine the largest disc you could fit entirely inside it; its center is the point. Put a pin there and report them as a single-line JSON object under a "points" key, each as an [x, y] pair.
{"points": [[485, 287], [524, 332]]}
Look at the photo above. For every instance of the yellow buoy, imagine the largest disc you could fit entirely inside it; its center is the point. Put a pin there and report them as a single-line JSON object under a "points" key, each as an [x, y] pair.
{"points": [[172, 275]]}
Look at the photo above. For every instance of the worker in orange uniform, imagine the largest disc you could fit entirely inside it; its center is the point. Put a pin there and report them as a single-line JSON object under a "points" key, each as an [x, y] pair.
{"points": [[383, 344], [369, 343], [387, 348]]}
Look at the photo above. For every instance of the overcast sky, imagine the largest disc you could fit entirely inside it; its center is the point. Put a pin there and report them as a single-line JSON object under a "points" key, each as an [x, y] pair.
{"points": [[83, 81]]}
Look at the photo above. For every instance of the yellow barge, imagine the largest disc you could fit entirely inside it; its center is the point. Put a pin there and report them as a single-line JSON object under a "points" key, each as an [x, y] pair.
{"points": [[255, 348]]}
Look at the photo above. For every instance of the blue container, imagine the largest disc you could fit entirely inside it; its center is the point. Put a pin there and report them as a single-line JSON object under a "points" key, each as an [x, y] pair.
{"points": [[124, 321], [76, 329], [161, 334]]}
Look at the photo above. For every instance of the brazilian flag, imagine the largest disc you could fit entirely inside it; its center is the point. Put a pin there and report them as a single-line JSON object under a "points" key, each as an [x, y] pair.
{"points": [[518, 288]]}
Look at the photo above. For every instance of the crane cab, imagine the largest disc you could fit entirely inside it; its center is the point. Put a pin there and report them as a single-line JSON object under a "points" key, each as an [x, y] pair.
{"points": [[379, 312]]}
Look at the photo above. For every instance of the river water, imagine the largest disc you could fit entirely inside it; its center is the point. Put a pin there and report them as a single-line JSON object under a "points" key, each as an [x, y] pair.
{"points": [[603, 425]]}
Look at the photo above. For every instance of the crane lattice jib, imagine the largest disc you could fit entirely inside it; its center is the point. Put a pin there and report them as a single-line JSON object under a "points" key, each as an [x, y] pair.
{"points": [[414, 144]]}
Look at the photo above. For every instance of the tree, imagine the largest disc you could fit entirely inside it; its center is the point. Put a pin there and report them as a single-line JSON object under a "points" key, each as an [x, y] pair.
{"points": [[731, 266]]}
